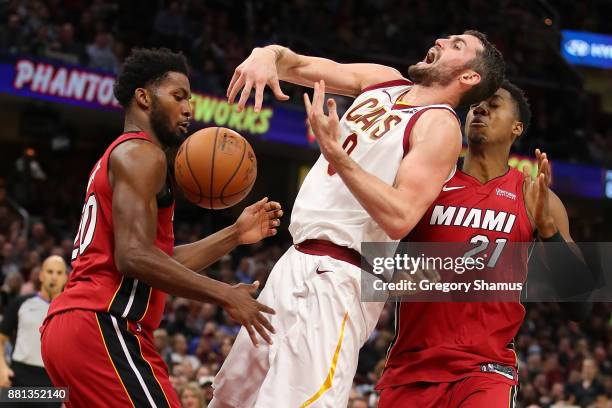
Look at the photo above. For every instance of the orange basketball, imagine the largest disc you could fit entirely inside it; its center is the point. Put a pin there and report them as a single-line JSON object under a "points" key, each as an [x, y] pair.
{"points": [[215, 167]]}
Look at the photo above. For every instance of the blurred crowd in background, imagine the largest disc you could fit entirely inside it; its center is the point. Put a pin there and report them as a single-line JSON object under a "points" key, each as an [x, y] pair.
{"points": [[217, 36], [560, 363]]}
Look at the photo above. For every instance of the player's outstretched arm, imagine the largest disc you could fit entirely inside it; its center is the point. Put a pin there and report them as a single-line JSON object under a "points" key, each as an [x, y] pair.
{"points": [[268, 65], [257, 221], [137, 173], [435, 144], [568, 273]]}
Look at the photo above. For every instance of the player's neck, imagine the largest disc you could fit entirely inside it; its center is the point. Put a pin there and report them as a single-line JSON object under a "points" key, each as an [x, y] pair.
{"points": [[420, 95], [134, 124], [485, 165]]}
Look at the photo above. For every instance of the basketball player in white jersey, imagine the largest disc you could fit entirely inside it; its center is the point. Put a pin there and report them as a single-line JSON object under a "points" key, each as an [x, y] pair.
{"points": [[381, 167]]}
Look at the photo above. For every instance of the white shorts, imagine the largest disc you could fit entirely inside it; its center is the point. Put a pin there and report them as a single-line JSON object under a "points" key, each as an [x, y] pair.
{"points": [[320, 326]]}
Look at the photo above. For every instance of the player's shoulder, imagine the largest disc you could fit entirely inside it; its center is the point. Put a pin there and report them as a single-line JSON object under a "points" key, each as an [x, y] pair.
{"points": [[442, 118], [380, 84], [138, 152]]}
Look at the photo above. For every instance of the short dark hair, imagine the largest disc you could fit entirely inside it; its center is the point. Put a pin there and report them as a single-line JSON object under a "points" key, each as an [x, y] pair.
{"points": [[145, 67], [522, 104], [489, 63]]}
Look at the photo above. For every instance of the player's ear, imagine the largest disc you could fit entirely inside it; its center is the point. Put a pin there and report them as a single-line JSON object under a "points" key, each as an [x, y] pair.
{"points": [[142, 98], [469, 77], [517, 129]]}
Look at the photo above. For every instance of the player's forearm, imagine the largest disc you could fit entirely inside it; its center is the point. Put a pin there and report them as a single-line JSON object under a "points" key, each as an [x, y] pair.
{"points": [[306, 70], [200, 254], [155, 268], [383, 202]]}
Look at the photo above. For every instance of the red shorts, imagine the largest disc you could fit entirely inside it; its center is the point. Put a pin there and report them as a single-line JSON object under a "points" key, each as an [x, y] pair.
{"points": [[470, 392], [105, 361]]}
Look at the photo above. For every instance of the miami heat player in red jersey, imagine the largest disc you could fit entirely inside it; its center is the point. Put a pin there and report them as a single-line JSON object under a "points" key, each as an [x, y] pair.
{"points": [[97, 338], [461, 354]]}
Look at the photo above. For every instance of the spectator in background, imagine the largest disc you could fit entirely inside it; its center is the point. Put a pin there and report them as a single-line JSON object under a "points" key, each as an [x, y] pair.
{"points": [[22, 319], [67, 48], [12, 38], [162, 345], [9, 261], [586, 391], [10, 289], [358, 402], [179, 354], [169, 25], [101, 55], [191, 396], [33, 283]]}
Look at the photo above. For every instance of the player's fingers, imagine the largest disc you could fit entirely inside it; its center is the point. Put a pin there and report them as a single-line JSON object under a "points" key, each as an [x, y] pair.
{"points": [[546, 170], [273, 206], [315, 93], [526, 174], [262, 332], [235, 88], [252, 288], [252, 334], [266, 309], [432, 275], [275, 214], [244, 96], [319, 98], [231, 84], [543, 185], [307, 104], [273, 223], [277, 91], [331, 106], [259, 90], [266, 323]]}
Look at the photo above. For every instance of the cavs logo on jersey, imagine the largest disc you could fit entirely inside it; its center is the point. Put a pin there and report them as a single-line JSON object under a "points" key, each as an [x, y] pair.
{"points": [[371, 117], [472, 218]]}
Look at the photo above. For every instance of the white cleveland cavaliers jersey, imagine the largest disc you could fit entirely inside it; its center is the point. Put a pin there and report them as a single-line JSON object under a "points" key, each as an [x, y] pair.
{"points": [[375, 133]]}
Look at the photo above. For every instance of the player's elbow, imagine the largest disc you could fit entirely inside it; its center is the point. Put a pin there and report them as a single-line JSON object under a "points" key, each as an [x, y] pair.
{"points": [[130, 261], [399, 230]]}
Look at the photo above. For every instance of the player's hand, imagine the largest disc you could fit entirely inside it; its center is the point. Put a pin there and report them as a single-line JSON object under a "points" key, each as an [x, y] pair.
{"points": [[536, 197], [416, 277], [6, 375], [258, 221], [247, 311], [258, 70], [544, 168], [326, 128]]}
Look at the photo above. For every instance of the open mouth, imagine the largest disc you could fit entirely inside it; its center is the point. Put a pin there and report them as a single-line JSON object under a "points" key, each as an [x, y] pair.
{"points": [[431, 56]]}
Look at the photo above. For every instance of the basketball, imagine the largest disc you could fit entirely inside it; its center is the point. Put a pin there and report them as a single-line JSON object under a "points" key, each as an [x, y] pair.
{"points": [[215, 168]]}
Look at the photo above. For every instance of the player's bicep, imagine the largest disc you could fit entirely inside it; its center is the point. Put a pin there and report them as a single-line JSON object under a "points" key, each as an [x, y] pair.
{"points": [[138, 174], [435, 146]]}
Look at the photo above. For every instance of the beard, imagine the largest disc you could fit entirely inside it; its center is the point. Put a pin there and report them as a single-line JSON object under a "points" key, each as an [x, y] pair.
{"points": [[161, 125], [476, 138], [429, 75]]}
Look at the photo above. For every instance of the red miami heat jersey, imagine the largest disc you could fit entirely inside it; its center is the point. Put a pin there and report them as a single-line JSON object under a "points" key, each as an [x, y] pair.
{"points": [[95, 283], [447, 341]]}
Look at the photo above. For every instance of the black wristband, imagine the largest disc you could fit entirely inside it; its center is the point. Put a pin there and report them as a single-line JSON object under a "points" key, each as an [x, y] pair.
{"points": [[555, 238]]}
